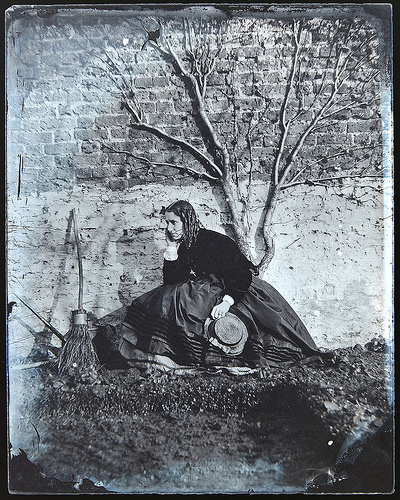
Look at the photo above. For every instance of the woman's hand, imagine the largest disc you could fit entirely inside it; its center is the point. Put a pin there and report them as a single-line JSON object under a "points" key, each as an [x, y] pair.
{"points": [[220, 310], [170, 242]]}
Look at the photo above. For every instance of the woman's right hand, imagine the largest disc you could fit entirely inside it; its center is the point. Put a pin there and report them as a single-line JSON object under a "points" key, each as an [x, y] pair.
{"points": [[170, 242]]}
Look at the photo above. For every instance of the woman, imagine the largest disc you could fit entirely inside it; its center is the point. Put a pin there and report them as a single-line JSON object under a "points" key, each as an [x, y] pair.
{"points": [[206, 278]]}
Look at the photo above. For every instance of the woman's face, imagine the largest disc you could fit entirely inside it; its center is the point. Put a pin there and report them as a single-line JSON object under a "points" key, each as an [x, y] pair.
{"points": [[174, 225]]}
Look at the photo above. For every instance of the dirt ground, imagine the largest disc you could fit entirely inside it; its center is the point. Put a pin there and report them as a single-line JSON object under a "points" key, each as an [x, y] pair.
{"points": [[297, 429]]}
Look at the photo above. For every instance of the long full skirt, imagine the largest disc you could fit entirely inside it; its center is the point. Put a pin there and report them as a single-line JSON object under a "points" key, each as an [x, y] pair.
{"points": [[167, 323]]}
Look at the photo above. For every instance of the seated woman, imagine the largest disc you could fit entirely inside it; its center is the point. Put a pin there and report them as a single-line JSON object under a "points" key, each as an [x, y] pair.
{"points": [[207, 278]]}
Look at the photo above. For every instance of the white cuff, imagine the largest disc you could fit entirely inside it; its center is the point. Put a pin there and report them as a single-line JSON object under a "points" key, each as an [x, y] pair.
{"points": [[229, 299], [171, 253]]}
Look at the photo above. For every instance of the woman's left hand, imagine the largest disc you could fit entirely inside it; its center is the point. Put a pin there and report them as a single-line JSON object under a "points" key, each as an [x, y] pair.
{"points": [[220, 310]]}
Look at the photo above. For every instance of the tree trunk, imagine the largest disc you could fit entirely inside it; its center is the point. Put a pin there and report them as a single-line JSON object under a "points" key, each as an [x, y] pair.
{"points": [[240, 233], [268, 213]]}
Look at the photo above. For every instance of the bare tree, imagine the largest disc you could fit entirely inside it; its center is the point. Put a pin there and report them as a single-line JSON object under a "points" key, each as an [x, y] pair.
{"points": [[329, 78]]}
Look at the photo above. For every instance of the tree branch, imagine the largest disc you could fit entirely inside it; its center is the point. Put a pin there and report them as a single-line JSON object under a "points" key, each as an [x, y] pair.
{"points": [[310, 128], [339, 110], [324, 179], [329, 157], [209, 165], [211, 134], [285, 124], [187, 169], [339, 78]]}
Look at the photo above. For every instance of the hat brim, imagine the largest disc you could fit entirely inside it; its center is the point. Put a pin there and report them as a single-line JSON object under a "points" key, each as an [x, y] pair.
{"points": [[230, 350]]}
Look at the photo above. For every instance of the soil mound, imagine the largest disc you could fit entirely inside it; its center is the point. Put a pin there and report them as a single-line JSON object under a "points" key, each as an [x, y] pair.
{"points": [[302, 428]]}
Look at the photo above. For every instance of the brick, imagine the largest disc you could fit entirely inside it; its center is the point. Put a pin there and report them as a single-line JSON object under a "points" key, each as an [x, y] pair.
{"points": [[61, 148], [361, 139], [176, 120], [118, 133], [344, 115], [361, 126], [223, 66], [89, 133], [216, 79], [26, 73], [143, 95], [84, 122], [168, 94], [62, 135], [33, 149], [336, 128], [114, 107], [139, 143], [165, 107], [90, 147], [144, 82], [306, 117], [161, 81], [54, 62], [362, 113], [136, 181], [13, 126], [90, 95], [244, 79], [148, 107], [333, 139], [175, 131], [246, 52], [84, 173], [257, 151], [39, 111], [66, 122], [325, 51], [101, 172], [247, 90], [115, 158], [249, 103], [89, 109], [68, 45], [111, 120], [221, 105], [182, 105], [36, 137], [118, 184], [73, 97], [29, 175], [222, 117]]}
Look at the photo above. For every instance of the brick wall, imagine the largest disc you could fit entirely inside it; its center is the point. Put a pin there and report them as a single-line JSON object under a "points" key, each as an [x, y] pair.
{"points": [[63, 114], [64, 108]]}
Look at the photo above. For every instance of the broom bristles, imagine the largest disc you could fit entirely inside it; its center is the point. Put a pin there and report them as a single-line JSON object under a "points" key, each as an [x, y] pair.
{"points": [[77, 354]]}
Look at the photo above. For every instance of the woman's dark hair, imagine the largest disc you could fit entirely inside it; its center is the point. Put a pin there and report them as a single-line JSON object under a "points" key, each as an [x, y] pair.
{"points": [[190, 221]]}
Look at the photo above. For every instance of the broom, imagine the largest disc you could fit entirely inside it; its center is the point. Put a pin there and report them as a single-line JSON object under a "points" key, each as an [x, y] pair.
{"points": [[77, 355]]}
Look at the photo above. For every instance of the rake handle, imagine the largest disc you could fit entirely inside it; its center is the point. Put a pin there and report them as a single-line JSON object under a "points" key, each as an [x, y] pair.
{"points": [[49, 326]]}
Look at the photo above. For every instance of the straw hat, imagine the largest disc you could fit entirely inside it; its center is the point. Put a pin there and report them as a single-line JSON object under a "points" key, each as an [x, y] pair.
{"points": [[228, 333]]}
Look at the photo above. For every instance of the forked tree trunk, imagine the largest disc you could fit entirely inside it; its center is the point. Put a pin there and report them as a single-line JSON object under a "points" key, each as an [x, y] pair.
{"points": [[238, 227], [240, 231], [268, 214]]}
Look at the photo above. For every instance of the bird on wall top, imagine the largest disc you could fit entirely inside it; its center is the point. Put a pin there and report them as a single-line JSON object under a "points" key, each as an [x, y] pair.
{"points": [[152, 36], [10, 306]]}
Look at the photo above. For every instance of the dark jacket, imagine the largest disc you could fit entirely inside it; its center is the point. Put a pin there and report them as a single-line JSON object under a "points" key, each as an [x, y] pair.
{"points": [[212, 253]]}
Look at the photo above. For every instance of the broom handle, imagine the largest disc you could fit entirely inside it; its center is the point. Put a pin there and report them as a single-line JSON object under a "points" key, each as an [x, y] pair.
{"points": [[80, 267], [49, 326]]}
